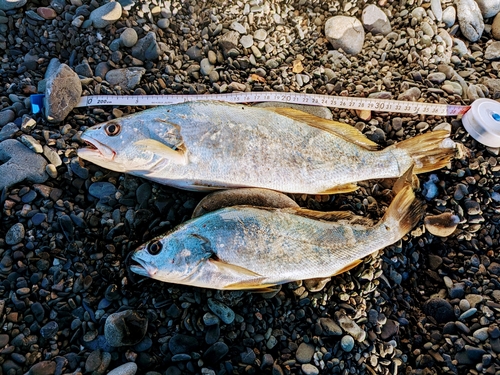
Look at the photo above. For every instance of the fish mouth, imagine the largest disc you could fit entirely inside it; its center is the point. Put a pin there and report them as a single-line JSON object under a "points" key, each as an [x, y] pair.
{"points": [[141, 267], [96, 149]]}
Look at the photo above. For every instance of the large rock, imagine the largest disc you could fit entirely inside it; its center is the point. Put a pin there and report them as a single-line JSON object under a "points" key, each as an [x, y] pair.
{"points": [[127, 78], [346, 33], [470, 19], [62, 93], [18, 163], [106, 15], [489, 8], [375, 20], [147, 48]]}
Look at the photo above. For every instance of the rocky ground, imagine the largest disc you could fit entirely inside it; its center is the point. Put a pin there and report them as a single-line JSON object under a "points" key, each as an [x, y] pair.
{"points": [[427, 305]]}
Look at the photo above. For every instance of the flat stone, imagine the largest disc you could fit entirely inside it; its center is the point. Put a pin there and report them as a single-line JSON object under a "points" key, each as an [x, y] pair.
{"points": [[12, 4], [489, 8], [62, 93], [147, 48], [215, 352], [127, 78], [128, 37], [449, 16], [129, 368], [412, 94], [492, 51], [182, 344], [125, 328], [15, 234], [20, 163], [350, 326], [225, 313], [330, 328], [309, 369], [304, 352]]}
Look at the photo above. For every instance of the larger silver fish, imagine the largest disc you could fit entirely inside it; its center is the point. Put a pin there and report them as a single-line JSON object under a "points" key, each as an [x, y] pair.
{"points": [[245, 247], [212, 145]]}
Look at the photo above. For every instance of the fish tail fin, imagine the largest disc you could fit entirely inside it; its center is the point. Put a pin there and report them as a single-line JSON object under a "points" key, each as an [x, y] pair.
{"points": [[404, 212], [429, 151]]}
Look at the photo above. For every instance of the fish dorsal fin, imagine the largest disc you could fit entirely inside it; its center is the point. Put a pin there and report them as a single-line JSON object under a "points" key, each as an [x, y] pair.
{"points": [[347, 132], [255, 197], [349, 267], [340, 189], [177, 156]]}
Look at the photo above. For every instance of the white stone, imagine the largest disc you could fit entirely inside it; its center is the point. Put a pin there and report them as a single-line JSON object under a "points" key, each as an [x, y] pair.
{"points": [[246, 41], [375, 20], [470, 19], [346, 33], [459, 47], [449, 16], [106, 15], [437, 9], [489, 8]]}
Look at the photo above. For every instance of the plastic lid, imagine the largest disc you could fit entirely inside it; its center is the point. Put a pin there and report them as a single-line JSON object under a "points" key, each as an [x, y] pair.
{"points": [[482, 121], [37, 103]]}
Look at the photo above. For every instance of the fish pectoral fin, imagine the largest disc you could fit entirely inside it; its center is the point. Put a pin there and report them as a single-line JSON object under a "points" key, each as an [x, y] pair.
{"points": [[247, 279], [254, 287], [345, 131], [349, 267], [340, 189], [152, 145]]}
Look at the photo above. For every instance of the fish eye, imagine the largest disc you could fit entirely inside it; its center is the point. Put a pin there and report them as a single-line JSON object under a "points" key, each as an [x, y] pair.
{"points": [[112, 129], [154, 247]]}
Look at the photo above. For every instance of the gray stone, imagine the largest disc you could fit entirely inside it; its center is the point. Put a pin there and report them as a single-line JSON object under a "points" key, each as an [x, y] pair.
{"points": [[470, 19], [106, 15], [205, 67], [62, 93], [215, 352], [375, 20], [225, 313], [260, 34], [437, 9], [228, 41], [11, 4], [238, 27], [309, 369], [436, 77], [347, 343], [412, 94], [102, 69], [147, 48], [127, 78], [125, 328], [43, 368], [7, 116], [20, 163], [492, 51], [346, 33], [246, 41], [163, 23], [129, 368], [102, 189], [128, 37], [330, 328], [8, 131], [84, 69], [350, 326], [304, 352], [179, 344], [15, 234]]}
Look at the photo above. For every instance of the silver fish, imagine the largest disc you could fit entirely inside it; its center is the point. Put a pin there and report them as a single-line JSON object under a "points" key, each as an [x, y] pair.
{"points": [[244, 247], [208, 145]]}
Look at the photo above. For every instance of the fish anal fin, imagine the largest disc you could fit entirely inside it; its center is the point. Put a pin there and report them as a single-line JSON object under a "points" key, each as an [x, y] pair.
{"points": [[345, 131], [340, 189], [152, 145], [349, 267]]}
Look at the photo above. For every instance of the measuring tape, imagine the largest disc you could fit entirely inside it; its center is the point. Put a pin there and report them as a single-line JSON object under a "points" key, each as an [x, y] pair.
{"points": [[371, 104], [481, 119]]}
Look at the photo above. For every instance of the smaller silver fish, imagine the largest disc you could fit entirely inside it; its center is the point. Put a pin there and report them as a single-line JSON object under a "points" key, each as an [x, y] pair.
{"points": [[245, 247]]}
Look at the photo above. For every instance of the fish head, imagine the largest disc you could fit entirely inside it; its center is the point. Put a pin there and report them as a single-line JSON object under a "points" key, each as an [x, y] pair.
{"points": [[173, 258], [124, 144]]}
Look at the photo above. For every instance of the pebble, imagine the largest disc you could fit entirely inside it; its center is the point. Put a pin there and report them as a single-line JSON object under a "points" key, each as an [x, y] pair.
{"points": [[246, 41], [492, 51], [15, 234], [221, 310], [7, 116], [440, 309], [179, 344], [62, 93], [260, 34], [106, 15], [11, 4], [147, 48], [43, 368], [346, 33], [489, 8], [215, 352], [129, 37], [125, 328], [309, 369], [470, 19], [349, 326], [127, 78], [49, 330], [449, 16], [442, 225], [129, 368], [375, 20], [102, 189], [347, 343], [304, 353], [329, 327]]}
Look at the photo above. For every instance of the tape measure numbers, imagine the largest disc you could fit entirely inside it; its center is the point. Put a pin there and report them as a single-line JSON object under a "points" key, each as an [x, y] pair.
{"points": [[371, 104]]}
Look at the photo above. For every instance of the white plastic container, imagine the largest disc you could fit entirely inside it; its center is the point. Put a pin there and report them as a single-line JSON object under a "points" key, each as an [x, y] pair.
{"points": [[482, 121]]}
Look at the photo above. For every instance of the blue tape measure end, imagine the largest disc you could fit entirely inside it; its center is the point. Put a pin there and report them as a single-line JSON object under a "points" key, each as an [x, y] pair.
{"points": [[37, 103]]}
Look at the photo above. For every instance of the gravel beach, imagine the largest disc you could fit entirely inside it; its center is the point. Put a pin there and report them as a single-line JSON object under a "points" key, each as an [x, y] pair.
{"points": [[430, 304]]}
